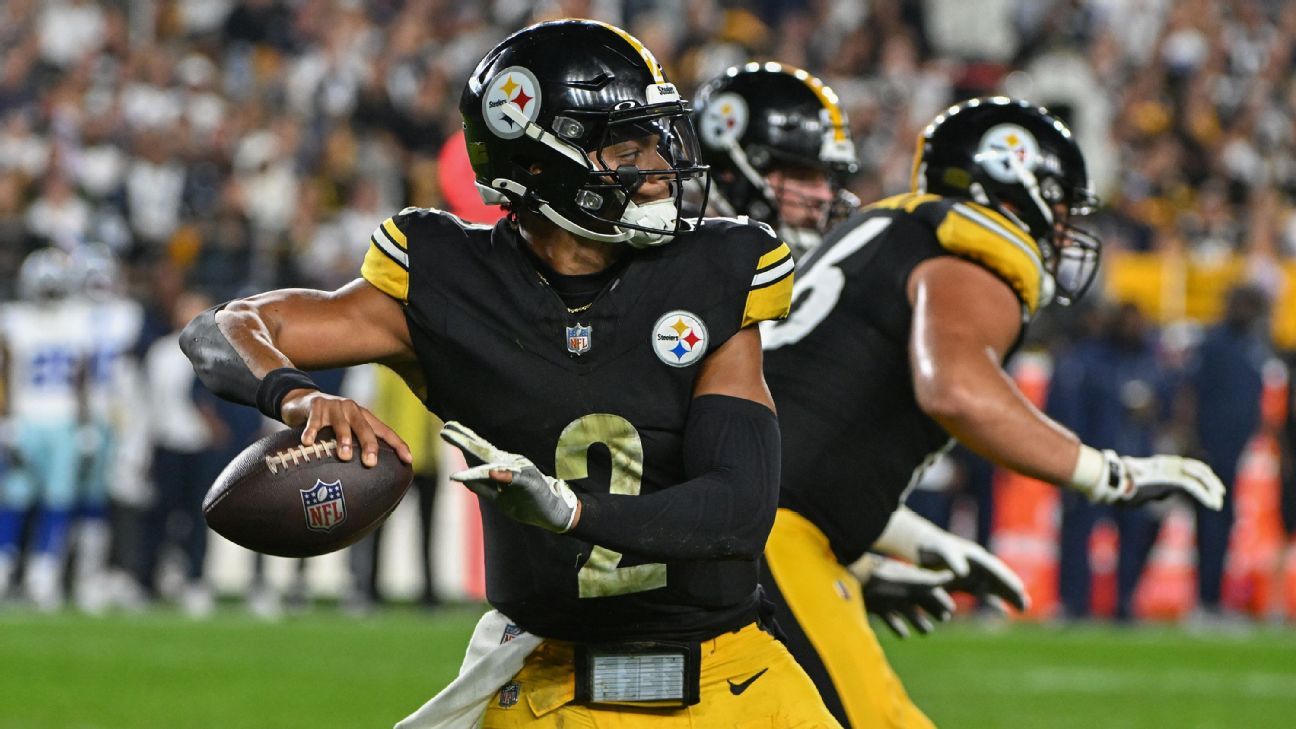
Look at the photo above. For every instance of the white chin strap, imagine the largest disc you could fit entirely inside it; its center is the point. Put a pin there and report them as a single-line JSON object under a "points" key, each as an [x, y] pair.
{"points": [[660, 214]]}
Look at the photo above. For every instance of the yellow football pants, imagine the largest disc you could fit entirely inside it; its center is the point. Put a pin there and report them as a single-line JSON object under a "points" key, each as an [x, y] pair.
{"points": [[821, 611], [780, 697]]}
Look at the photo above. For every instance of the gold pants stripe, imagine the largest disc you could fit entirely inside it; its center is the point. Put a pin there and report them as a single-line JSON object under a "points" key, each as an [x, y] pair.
{"points": [[822, 610]]}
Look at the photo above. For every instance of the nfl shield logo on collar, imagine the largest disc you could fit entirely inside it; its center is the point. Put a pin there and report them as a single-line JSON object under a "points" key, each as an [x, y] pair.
{"points": [[324, 505], [509, 695], [579, 338]]}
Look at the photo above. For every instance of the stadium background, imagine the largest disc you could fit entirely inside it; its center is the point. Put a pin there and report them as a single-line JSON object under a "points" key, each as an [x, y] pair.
{"points": [[221, 147]]}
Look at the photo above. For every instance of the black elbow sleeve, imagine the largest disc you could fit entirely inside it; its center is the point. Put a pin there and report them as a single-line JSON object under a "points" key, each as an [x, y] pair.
{"points": [[738, 440], [218, 366], [732, 459]]}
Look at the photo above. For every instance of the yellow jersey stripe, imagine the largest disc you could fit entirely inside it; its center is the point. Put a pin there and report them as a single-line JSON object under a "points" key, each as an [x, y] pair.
{"points": [[907, 202], [1010, 261], [774, 256], [385, 273], [386, 245], [1003, 228], [394, 233], [772, 301], [770, 275], [653, 66]]}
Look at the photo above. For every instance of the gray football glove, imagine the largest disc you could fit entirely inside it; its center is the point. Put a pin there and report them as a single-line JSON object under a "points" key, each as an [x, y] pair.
{"points": [[531, 497], [1107, 477], [898, 592], [976, 571]]}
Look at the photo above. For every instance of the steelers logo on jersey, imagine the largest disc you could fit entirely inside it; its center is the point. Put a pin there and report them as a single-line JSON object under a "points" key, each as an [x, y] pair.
{"points": [[679, 338], [1000, 145], [724, 120], [515, 86]]}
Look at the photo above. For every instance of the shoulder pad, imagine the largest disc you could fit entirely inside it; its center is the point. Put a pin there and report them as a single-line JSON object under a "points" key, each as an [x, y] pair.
{"points": [[767, 260], [387, 262], [984, 236]]}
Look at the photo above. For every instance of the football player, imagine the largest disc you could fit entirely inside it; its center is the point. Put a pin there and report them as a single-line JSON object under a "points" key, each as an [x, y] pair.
{"points": [[779, 148], [901, 323], [45, 394], [113, 323], [597, 359]]}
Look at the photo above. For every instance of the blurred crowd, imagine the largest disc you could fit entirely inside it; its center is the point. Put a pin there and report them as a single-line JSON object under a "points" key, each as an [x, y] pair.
{"points": [[211, 148]]}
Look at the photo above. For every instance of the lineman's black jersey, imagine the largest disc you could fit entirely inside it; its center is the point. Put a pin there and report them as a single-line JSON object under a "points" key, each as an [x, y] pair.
{"points": [[599, 398], [838, 366]]}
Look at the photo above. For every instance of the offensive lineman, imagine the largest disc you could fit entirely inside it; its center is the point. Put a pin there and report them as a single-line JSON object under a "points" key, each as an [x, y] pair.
{"points": [[779, 148], [909, 310], [579, 337]]}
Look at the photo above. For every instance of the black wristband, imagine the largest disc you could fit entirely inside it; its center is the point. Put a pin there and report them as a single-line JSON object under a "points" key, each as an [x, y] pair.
{"points": [[278, 383]]}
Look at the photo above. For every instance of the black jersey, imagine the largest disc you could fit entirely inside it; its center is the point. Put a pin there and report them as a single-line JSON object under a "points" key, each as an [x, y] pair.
{"points": [[838, 366], [598, 398]]}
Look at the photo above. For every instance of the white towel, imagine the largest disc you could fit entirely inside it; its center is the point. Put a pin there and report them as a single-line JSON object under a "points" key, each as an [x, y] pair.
{"points": [[496, 652]]}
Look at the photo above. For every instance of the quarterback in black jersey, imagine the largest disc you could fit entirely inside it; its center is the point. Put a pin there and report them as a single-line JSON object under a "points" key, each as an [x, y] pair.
{"points": [[901, 321], [598, 361]]}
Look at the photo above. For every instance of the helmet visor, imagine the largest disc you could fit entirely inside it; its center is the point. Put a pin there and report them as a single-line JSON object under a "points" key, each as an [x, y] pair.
{"points": [[1076, 254]]}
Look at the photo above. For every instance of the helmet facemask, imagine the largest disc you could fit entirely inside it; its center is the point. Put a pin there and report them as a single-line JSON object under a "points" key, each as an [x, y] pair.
{"points": [[770, 169], [807, 201], [602, 206], [1071, 253], [636, 147]]}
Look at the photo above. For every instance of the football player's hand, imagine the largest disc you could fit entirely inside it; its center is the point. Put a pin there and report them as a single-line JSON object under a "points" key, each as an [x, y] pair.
{"points": [[512, 482], [898, 593], [1132, 481], [976, 571], [350, 421]]}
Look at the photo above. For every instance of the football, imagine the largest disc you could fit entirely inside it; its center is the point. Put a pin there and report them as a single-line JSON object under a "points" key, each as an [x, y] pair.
{"points": [[282, 498]]}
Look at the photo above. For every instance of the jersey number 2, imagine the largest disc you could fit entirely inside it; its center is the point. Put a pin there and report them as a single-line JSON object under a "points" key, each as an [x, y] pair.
{"points": [[819, 288], [600, 576]]}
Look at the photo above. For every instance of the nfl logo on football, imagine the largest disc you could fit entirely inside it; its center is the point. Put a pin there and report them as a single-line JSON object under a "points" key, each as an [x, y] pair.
{"points": [[325, 508], [579, 339]]}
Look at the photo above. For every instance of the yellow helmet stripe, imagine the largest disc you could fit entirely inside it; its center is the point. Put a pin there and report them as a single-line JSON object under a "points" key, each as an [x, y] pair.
{"points": [[916, 170], [653, 66], [827, 97]]}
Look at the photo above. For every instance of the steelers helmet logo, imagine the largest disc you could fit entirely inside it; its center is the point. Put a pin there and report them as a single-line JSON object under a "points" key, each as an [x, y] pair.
{"points": [[514, 86], [1000, 145], [724, 120], [679, 338]]}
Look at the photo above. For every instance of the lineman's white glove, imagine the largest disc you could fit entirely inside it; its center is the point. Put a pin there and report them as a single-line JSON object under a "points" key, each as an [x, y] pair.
{"points": [[531, 497], [896, 592], [975, 570], [1107, 477]]}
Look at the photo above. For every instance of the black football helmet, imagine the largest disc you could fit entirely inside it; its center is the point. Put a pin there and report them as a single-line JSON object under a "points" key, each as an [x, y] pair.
{"points": [[1022, 161], [758, 117], [542, 105]]}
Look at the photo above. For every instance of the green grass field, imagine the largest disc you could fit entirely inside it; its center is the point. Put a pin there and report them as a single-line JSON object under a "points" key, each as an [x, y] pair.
{"points": [[324, 669]]}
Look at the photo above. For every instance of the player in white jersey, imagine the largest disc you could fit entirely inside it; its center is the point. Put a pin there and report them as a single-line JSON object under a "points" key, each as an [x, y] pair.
{"points": [[112, 323], [45, 364]]}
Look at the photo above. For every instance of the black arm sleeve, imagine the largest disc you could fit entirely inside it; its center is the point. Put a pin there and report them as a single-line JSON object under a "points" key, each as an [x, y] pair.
{"points": [[726, 507], [215, 362]]}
